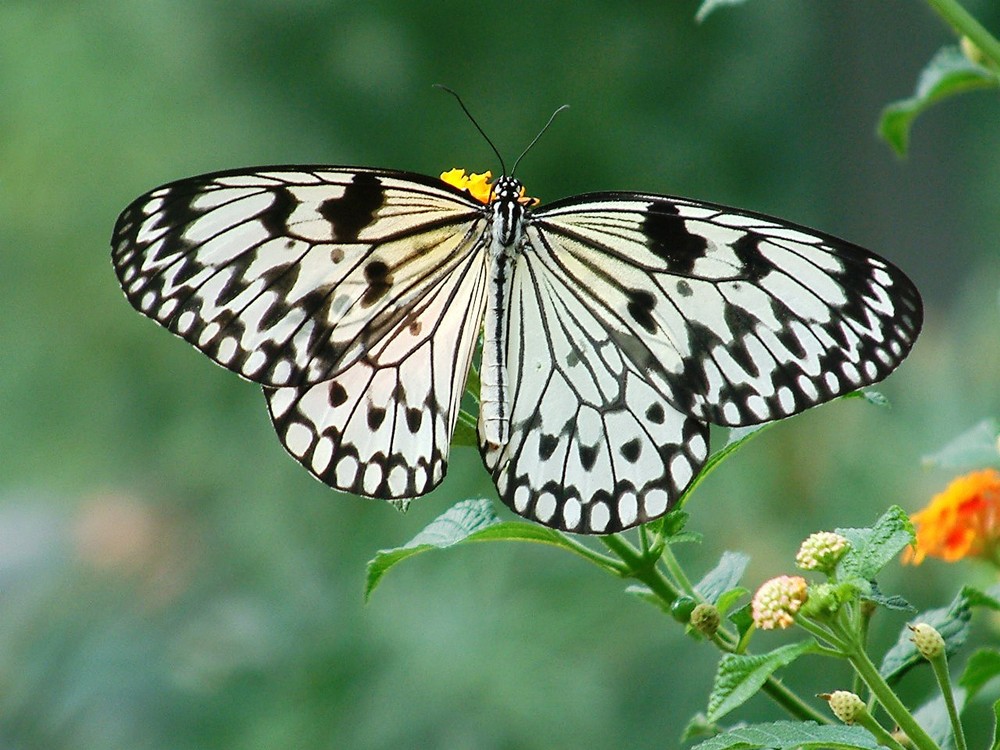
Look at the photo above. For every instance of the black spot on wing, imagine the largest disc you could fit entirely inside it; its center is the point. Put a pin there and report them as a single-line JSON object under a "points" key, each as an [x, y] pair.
{"points": [[754, 266], [414, 418], [379, 282], [668, 238], [355, 209], [275, 217], [631, 450], [337, 394], [656, 414], [640, 307]]}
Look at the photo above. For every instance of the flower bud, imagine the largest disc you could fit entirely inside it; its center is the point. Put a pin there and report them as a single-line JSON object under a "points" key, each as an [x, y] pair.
{"points": [[928, 641], [845, 705], [776, 602], [705, 619], [822, 551]]}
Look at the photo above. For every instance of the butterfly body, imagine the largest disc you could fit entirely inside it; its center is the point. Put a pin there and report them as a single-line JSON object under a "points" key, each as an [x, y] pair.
{"points": [[616, 326]]}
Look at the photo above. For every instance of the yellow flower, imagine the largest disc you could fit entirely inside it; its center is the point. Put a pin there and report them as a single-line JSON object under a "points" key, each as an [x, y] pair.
{"points": [[476, 185], [480, 186], [962, 521]]}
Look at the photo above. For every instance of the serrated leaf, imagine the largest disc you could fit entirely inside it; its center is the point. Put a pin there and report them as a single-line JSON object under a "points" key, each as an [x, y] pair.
{"points": [[467, 521], [948, 73], [709, 6], [873, 548], [785, 735], [973, 449], [725, 576], [981, 667], [893, 601], [740, 676], [952, 622], [933, 718]]}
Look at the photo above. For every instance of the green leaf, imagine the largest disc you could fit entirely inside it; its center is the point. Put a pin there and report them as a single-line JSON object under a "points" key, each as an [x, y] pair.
{"points": [[728, 599], [948, 73], [740, 676], [468, 521], [785, 735], [893, 601], [742, 619], [698, 727], [725, 576], [709, 6], [465, 429], [974, 448], [981, 667], [873, 548]]}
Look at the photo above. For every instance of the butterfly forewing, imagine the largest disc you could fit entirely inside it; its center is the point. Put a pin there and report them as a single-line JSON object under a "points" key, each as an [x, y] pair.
{"points": [[288, 275], [737, 318]]}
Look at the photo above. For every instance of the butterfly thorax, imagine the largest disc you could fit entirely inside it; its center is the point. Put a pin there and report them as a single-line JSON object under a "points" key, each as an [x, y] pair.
{"points": [[508, 214], [506, 232]]}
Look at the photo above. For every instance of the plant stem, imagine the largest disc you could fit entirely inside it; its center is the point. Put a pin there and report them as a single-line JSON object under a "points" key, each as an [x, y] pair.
{"points": [[940, 665], [641, 568], [960, 20], [890, 702]]}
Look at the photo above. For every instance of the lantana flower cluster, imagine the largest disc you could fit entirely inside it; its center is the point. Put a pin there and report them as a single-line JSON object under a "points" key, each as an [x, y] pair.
{"points": [[962, 521]]}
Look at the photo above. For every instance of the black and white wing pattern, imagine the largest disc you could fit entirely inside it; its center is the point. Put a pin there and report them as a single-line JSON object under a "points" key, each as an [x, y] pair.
{"points": [[354, 296], [635, 320], [617, 325]]}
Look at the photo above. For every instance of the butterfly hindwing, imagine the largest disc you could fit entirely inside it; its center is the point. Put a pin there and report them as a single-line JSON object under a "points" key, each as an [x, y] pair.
{"points": [[383, 426], [593, 448]]}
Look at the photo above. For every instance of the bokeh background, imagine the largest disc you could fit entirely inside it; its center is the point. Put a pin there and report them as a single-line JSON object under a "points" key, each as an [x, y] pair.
{"points": [[169, 578]]}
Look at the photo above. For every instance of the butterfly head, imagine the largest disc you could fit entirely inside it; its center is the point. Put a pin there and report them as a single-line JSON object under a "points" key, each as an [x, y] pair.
{"points": [[480, 187]]}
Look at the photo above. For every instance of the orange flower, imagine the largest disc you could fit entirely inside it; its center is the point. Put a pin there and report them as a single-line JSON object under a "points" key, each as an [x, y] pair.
{"points": [[962, 521]]}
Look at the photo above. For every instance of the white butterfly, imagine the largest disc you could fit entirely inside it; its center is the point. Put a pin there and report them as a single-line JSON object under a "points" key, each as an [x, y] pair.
{"points": [[617, 326]]}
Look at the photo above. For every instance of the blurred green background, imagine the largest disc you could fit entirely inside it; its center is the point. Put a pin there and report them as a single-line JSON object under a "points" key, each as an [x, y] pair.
{"points": [[169, 578]]}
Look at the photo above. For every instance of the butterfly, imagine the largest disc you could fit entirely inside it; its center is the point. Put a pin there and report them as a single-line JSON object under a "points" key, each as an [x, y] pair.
{"points": [[615, 327]]}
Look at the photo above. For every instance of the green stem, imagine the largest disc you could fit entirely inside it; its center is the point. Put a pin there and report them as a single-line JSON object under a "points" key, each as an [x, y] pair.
{"points": [[940, 665], [675, 569], [892, 705], [603, 561], [878, 731], [641, 568], [792, 703], [960, 20]]}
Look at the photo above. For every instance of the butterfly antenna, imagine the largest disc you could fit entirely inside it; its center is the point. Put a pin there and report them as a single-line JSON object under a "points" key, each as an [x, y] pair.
{"points": [[473, 120], [533, 142]]}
